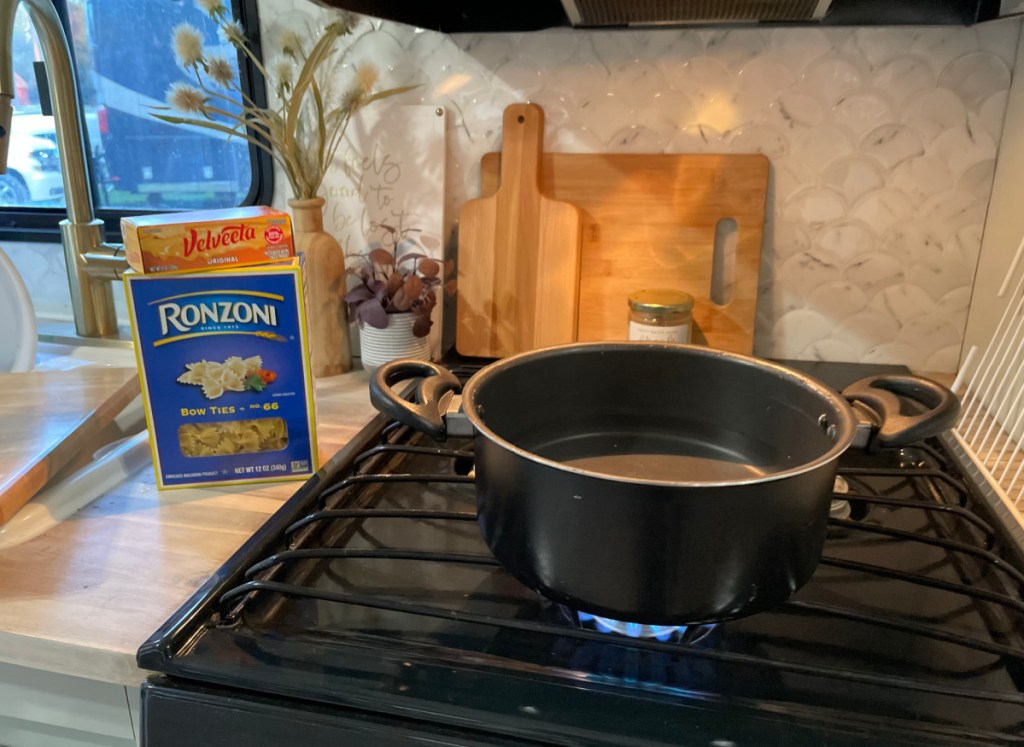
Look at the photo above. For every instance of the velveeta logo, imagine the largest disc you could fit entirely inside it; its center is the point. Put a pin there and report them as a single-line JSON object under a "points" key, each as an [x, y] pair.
{"points": [[210, 241]]}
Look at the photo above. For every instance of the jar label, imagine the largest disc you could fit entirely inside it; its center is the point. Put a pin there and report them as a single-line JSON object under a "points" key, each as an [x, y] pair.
{"points": [[638, 331]]}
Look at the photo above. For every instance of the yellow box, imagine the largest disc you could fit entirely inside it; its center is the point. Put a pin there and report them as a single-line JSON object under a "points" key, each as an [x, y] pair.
{"points": [[206, 239]]}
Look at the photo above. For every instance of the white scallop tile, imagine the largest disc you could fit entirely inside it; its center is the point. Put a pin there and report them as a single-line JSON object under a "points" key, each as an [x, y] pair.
{"points": [[929, 334], [605, 117], [549, 48], [939, 274], [910, 241], [791, 175], [962, 147], [829, 78], [695, 139], [977, 179], [636, 84], [734, 47], [884, 209], [965, 243], [792, 111], [488, 50], [671, 111], [943, 44], [758, 138], [655, 44], [894, 354], [865, 330], [613, 48], [992, 113], [975, 77], [796, 330], [1000, 37], [705, 79], [933, 113], [847, 239], [903, 302], [837, 300], [829, 350], [944, 360], [789, 238], [806, 271], [876, 45], [874, 272], [949, 212], [862, 110], [800, 45], [814, 207], [636, 139], [904, 77], [823, 145], [955, 305], [921, 178], [762, 80], [853, 177], [892, 144]]}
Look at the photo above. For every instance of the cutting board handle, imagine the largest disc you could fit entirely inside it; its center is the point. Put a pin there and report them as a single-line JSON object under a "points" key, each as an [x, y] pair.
{"points": [[522, 142]]}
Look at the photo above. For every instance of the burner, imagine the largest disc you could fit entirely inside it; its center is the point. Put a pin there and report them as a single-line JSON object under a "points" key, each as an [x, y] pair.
{"points": [[681, 633]]}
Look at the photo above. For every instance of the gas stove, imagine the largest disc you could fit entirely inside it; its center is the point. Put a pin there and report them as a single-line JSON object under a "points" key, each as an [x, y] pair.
{"points": [[369, 608]]}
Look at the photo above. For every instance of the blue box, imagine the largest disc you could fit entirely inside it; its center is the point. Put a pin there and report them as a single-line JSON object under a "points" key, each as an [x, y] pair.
{"points": [[225, 374]]}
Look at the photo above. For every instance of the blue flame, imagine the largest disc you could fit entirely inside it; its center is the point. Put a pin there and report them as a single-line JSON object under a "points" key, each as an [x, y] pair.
{"points": [[632, 630]]}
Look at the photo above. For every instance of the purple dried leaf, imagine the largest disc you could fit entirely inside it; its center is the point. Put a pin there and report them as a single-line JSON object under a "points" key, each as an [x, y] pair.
{"points": [[450, 288], [358, 294], [372, 313], [382, 257], [421, 325], [429, 268], [413, 287]]}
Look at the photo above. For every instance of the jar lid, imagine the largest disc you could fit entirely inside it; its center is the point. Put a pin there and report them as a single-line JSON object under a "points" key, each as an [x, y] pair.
{"points": [[660, 301]]}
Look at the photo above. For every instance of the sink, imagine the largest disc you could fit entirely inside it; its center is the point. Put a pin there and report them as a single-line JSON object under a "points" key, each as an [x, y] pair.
{"points": [[18, 343]]}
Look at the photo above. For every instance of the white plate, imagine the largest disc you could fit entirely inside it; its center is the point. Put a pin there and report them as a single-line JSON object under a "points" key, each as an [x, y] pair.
{"points": [[18, 342]]}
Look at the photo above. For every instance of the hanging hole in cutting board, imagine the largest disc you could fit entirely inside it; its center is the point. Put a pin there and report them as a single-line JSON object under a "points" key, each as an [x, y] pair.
{"points": [[520, 119], [723, 268]]}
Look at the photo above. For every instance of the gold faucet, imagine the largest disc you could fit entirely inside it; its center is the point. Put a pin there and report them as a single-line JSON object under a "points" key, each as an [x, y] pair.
{"points": [[92, 263]]}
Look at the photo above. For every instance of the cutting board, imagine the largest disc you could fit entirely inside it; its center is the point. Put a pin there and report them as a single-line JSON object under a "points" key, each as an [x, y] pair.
{"points": [[650, 221], [46, 418], [518, 253]]}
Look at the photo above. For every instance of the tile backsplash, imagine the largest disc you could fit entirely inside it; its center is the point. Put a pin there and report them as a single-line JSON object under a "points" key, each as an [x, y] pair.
{"points": [[882, 140]]}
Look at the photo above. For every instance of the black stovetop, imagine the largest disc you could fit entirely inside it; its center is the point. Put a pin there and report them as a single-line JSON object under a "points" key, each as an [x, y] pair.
{"points": [[372, 589]]}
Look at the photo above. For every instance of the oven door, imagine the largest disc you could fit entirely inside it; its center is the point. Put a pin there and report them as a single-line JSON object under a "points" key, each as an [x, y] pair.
{"points": [[175, 712]]}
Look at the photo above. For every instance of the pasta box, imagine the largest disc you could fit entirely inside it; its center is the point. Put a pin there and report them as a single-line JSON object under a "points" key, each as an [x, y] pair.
{"points": [[225, 374]]}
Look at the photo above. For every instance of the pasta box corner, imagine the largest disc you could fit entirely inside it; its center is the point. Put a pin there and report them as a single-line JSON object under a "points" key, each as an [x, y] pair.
{"points": [[225, 374]]}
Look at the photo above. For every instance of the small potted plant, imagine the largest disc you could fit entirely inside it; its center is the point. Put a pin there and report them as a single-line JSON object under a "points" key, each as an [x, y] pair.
{"points": [[394, 298]]}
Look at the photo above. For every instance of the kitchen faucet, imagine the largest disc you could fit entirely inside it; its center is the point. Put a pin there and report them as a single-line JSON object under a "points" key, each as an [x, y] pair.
{"points": [[91, 262]]}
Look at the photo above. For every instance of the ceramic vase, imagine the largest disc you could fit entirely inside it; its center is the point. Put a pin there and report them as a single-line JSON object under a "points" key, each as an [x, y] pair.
{"points": [[395, 341], [324, 279]]}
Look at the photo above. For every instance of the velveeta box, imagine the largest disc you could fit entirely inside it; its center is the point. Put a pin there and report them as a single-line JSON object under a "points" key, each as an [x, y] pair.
{"points": [[206, 239], [225, 374]]}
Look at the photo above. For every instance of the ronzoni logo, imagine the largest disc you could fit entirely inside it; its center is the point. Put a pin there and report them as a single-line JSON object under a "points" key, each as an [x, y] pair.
{"points": [[184, 317]]}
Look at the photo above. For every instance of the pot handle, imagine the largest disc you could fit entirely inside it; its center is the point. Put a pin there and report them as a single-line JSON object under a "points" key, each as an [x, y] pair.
{"points": [[879, 394], [427, 414]]}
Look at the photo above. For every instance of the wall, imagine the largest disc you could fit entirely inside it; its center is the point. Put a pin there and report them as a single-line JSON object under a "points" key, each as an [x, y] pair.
{"points": [[883, 143]]}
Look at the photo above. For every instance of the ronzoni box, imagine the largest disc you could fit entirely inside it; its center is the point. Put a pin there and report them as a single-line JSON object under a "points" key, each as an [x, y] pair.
{"points": [[206, 239], [225, 374]]}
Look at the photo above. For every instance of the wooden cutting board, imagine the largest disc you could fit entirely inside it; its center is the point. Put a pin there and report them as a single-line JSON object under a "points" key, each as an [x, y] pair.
{"points": [[518, 253], [650, 222], [46, 418]]}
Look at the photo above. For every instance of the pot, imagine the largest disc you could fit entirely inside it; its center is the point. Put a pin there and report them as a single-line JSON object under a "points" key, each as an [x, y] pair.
{"points": [[657, 483]]}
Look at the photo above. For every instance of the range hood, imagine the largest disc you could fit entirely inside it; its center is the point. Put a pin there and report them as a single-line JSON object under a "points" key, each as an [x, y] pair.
{"points": [[528, 15]]}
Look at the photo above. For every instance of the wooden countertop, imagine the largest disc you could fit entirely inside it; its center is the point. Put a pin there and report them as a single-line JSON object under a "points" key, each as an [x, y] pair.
{"points": [[82, 597]]}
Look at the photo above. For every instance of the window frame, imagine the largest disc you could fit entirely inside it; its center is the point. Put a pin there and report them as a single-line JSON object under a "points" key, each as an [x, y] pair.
{"points": [[40, 224]]}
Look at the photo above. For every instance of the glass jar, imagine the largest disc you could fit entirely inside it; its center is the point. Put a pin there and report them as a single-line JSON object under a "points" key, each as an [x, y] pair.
{"points": [[662, 315]]}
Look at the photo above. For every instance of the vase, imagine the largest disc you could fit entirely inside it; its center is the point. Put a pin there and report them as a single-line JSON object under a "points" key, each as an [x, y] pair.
{"points": [[391, 343], [323, 269]]}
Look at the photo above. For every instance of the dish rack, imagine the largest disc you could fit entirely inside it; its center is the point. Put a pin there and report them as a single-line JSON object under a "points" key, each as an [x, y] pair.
{"points": [[990, 431]]}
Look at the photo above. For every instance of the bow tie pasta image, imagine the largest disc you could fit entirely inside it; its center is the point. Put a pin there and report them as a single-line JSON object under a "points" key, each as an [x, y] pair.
{"points": [[234, 374]]}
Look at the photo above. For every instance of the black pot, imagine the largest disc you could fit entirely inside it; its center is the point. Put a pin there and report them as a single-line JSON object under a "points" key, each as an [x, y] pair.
{"points": [[654, 483]]}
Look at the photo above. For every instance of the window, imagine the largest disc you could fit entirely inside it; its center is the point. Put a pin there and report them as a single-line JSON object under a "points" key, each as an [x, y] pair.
{"points": [[125, 65]]}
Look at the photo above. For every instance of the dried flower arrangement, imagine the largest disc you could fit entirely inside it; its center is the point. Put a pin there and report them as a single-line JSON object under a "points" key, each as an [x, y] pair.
{"points": [[393, 282], [303, 131]]}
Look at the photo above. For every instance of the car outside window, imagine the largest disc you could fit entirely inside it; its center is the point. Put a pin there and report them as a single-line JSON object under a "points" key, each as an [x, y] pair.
{"points": [[125, 65]]}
